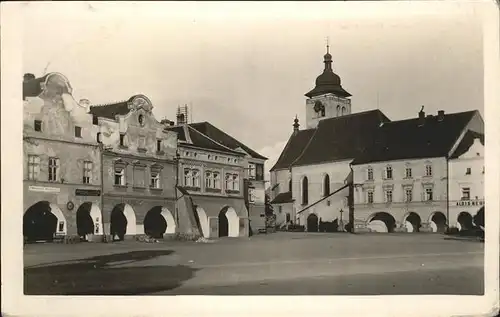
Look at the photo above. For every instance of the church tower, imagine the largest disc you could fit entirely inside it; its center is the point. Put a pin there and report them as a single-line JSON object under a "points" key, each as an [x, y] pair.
{"points": [[328, 99]]}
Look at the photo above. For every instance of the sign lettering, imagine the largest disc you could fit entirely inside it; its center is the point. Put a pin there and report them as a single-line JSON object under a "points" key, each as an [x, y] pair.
{"points": [[44, 189], [87, 192]]}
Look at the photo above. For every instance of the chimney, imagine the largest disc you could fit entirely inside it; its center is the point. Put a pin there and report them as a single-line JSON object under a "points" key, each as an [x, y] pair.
{"points": [[296, 125], [440, 115], [421, 117], [28, 76]]}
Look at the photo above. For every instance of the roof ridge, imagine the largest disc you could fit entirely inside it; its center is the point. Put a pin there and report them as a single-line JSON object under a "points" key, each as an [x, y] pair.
{"points": [[283, 151], [446, 114], [353, 115]]}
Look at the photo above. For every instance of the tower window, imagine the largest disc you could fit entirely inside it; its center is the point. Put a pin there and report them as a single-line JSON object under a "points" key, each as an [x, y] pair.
{"points": [[344, 111], [338, 110]]}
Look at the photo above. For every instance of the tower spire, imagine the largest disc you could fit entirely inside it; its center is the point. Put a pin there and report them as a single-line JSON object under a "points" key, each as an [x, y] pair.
{"points": [[296, 125], [328, 56]]}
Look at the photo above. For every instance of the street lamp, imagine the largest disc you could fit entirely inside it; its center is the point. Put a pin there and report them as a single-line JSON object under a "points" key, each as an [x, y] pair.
{"points": [[341, 220]]}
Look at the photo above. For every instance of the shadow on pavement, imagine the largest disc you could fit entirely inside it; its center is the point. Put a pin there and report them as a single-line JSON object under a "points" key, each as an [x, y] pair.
{"points": [[99, 275]]}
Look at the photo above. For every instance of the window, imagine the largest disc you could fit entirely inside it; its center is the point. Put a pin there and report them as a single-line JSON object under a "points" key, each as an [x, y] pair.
{"points": [[209, 156], [216, 180], [428, 194], [338, 111], [388, 172], [229, 181], [370, 174], [208, 180], [38, 125], [78, 132], [158, 145], [87, 172], [215, 158], [288, 218], [195, 175], [326, 185], [99, 140], [305, 191], [323, 112], [259, 172], [236, 182], [370, 197], [408, 195], [122, 139], [155, 179], [95, 120], [468, 171], [428, 170], [142, 142], [251, 171], [408, 172], [290, 185], [33, 167], [53, 169], [388, 196], [251, 195], [188, 179], [465, 193], [120, 175], [344, 110], [60, 227]]}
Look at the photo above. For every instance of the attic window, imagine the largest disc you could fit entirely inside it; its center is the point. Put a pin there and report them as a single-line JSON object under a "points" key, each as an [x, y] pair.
{"points": [[122, 139], [477, 154], [158, 145], [38, 125], [78, 132], [468, 171]]}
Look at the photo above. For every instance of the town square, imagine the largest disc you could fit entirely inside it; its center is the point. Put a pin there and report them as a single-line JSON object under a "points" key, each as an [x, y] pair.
{"points": [[184, 152]]}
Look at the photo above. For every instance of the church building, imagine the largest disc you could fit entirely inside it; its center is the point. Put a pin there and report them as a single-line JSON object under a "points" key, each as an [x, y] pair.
{"points": [[324, 177]]}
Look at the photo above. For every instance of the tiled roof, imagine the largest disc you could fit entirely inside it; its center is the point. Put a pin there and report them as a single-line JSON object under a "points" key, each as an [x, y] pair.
{"points": [[341, 138], [466, 143], [406, 139], [110, 110], [294, 147], [223, 138], [200, 140], [31, 88], [283, 198]]}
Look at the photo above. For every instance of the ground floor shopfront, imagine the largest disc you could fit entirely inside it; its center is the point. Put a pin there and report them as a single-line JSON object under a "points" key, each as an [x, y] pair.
{"points": [[54, 210]]}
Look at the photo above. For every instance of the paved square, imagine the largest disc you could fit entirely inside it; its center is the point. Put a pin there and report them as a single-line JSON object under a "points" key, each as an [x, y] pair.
{"points": [[281, 263]]}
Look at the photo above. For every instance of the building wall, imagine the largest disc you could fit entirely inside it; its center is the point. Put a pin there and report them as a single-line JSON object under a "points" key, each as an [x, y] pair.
{"points": [[60, 115], [399, 207], [337, 171], [281, 210], [459, 179], [331, 102], [282, 178]]}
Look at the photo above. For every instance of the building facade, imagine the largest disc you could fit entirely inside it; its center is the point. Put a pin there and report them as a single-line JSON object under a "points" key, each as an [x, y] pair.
{"points": [[221, 179], [139, 170], [61, 179]]}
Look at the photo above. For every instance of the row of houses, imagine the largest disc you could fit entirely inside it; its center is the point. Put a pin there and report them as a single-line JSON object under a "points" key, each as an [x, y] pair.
{"points": [[114, 169], [424, 173]]}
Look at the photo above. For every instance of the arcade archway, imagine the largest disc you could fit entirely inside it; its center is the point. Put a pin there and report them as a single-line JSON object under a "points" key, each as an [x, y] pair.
{"points": [[437, 222], [381, 222], [412, 222], [312, 223], [122, 221], [464, 220], [88, 220], [159, 221], [228, 223], [42, 221]]}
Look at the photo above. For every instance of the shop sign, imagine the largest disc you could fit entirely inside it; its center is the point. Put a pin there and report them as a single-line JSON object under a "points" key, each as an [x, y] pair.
{"points": [[87, 192], [44, 189]]}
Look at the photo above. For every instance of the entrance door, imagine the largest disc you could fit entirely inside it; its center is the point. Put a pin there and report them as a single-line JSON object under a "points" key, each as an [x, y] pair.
{"points": [[223, 225], [312, 223]]}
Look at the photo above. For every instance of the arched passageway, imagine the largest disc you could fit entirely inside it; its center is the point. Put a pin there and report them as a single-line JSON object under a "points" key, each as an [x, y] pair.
{"points": [[381, 222], [464, 220], [122, 221], [159, 221], [412, 222], [312, 223], [438, 222], [42, 221], [228, 223], [84, 222], [203, 221], [479, 218]]}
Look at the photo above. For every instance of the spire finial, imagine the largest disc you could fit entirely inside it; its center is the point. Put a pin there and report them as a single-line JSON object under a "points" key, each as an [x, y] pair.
{"points": [[328, 45]]}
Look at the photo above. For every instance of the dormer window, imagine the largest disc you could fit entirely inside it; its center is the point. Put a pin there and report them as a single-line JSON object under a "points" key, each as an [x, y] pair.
{"points": [[38, 125]]}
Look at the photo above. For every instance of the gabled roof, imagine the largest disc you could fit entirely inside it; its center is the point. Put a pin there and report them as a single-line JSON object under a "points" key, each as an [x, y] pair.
{"points": [[466, 143], [283, 198], [198, 139], [32, 88], [293, 148], [407, 139], [223, 138], [341, 138], [110, 110]]}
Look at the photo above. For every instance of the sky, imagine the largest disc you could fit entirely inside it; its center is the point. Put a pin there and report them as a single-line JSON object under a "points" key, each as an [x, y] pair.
{"points": [[245, 67]]}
